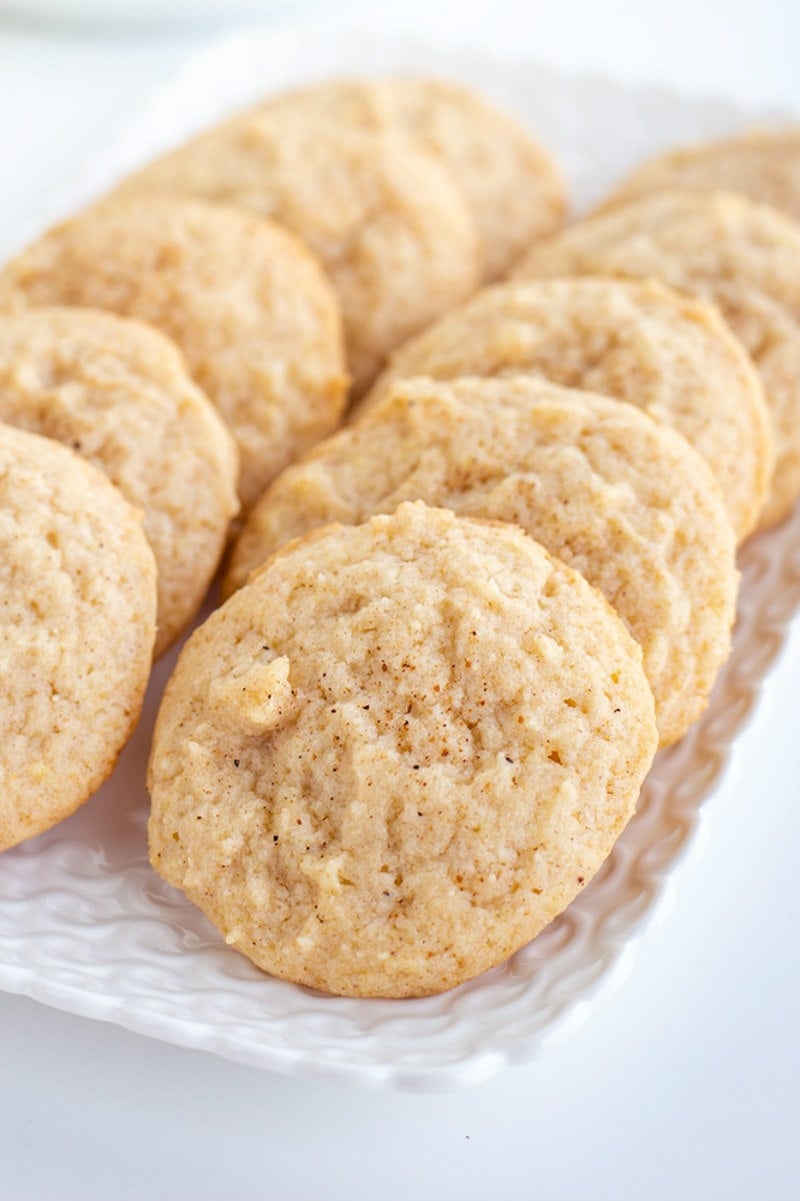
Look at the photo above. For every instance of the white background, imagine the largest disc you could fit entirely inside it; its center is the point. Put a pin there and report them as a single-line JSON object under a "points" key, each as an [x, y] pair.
{"points": [[683, 1085]]}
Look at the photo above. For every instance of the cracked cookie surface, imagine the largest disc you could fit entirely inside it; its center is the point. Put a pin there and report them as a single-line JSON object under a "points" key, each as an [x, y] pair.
{"points": [[390, 760]]}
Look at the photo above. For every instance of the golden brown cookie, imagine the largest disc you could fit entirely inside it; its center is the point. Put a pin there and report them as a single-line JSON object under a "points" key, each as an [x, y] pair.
{"points": [[511, 185], [620, 498], [764, 164], [118, 392], [389, 761], [385, 219], [77, 623], [667, 354], [743, 256], [248, 306]]}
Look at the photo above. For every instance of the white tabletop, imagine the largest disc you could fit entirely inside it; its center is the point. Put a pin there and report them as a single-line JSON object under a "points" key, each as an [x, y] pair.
{"points": [[683, 1084]]}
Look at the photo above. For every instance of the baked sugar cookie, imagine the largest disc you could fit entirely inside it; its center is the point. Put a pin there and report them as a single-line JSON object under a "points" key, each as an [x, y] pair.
{"points": [[764, 164], [622, 499], [77, 623], [389, 761], [717, 245], [636, 341], [386, 220], [248, 306], [118, 392], [511, 185]]}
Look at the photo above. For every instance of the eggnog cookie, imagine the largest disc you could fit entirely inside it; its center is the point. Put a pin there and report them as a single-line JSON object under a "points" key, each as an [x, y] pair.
{"points": [[248, 306], [386, 220], [622, 499], [720, 246], [77, 623], [118, 392], [512, 187], [764, 164], [389, 761], [670, 355]]}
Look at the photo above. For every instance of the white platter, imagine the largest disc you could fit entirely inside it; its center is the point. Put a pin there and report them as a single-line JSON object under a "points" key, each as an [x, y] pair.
{"points": [[86, 926]]}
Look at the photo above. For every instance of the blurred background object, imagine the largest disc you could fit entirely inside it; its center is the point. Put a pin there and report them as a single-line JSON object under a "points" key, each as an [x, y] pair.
{"points": [[149, 12]]}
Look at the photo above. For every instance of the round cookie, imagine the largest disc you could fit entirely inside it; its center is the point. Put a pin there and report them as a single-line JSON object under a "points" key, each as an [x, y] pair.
{"points": [[764, 164], [77, 623], [742, 255], [619, 497], [512, 187], [118, 392], [388, 762], [385, 219], [248, 306], [667, 354]]}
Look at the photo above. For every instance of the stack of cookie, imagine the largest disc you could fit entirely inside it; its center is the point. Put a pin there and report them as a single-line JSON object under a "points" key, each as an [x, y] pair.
{"points": [[457, 629]]}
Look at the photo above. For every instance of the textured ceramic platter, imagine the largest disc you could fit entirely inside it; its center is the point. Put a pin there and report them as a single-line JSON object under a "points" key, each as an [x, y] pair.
{"points": [[86, 926]]}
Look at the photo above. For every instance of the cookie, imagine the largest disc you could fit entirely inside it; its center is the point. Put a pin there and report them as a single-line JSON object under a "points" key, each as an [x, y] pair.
{"points": [[248, 306], [389, 761], [118, 392], [669, 355], [743, 256], [77, 623], [385, 219], [511, 185], [619, 497], [763, 164]]}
